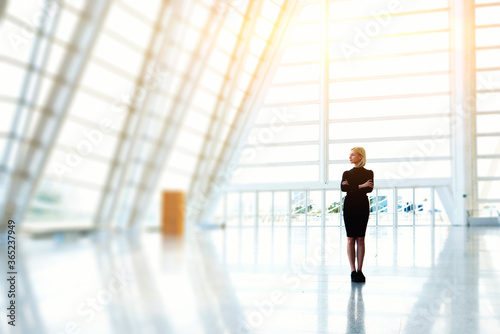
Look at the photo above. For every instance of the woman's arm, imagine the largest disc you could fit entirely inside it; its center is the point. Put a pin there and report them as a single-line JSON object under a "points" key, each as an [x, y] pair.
{"points": [[345, 186], [367, 187]]}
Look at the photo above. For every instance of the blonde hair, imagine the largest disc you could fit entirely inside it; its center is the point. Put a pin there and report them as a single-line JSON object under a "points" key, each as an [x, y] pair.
{"points": [[361, 151]]}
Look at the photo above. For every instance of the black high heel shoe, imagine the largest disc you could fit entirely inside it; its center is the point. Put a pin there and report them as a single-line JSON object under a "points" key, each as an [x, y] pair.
{"points": [[354, 276]]}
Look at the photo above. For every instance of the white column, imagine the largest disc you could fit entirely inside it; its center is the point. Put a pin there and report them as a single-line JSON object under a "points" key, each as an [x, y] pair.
{"points": [[395, 207], [463, 109]]}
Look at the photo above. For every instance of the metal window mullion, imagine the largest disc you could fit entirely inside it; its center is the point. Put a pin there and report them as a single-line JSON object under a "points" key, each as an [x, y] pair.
{"points": [[240, 212], [395, 205], [224, 208], [172, 123], [256, 218], [58, 103], [117, 174], [433, 207], [324, 92], [30, 90], [266, 68], [414, 206], [389, 76], [391, 97], [383, 139], [323, 209], [272, 210], [306, 205], [223, 103], [241, 55]]}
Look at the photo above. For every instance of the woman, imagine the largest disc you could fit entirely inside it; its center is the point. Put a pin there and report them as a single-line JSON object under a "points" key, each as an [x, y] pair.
{"points": [[357, 182]]}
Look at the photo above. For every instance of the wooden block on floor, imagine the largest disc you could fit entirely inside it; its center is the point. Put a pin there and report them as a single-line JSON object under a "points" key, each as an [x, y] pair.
{"points": [[172, 215]]}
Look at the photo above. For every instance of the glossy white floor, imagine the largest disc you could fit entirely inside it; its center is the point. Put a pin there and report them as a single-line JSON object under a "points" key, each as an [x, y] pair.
{"points": [[419, 280]]}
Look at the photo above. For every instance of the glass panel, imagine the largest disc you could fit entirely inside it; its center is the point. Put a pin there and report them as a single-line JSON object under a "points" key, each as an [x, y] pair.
{"points": [[297, 73], [333, 206], [440, 215], [310, 13], [357, 8], [389, 149], [488, 145], [88, 170], [301, 53], [105, 80], [66, 26], [488, 190], [423, 209], [406, 206], [487, 58], [276, 174], [280, 208], [393, 86], [298, 208], [248, 208], [263, 28], [277, 117], [82, 140], [487, 36], [219, 214], [270, 10], [290, 133], [314, 208], [488, 101], [385, 207], [488, 81], [390, 66], [392, 107], [434, 128], [197, 122], [11, 87], [306, 33], [148, 9], [233, 209], [292, 94], [392, 45], [371, 28], [173, 179], [56, 201], [128, 26], [487, 15], [256, 155], [182, 161], [490, 209], [257, 46], [488, 123], [489, 167], [265, 208]]}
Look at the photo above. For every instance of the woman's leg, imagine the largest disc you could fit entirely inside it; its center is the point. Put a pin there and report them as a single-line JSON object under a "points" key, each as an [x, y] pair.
{"points": [[351, 252], [360, 253]]}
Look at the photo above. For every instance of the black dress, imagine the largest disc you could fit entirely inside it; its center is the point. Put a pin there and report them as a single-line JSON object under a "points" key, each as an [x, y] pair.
{"points": [[356, 205]]}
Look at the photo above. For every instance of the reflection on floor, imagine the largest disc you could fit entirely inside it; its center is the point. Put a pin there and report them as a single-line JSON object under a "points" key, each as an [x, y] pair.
{"points": [[282, 280]]}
